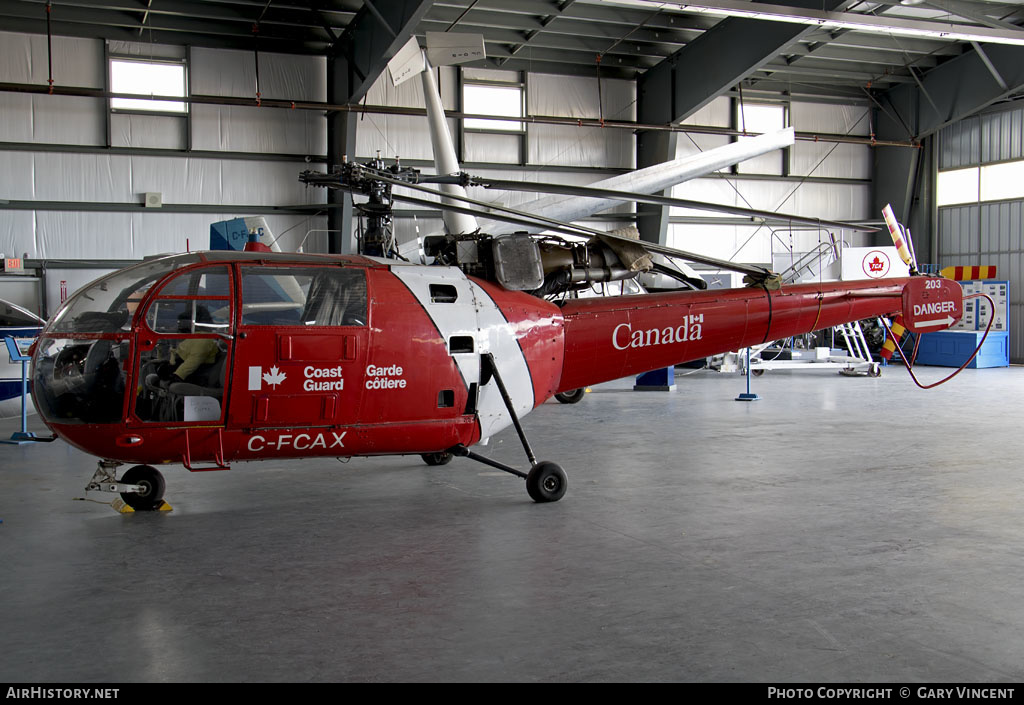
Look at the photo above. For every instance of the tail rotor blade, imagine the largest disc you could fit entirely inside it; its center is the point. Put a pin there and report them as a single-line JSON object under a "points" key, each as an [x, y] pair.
{"points": [[896, 232]]}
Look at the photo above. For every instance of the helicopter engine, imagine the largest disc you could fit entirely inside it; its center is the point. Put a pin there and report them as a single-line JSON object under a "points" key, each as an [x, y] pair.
{"points": [[542, 267]]}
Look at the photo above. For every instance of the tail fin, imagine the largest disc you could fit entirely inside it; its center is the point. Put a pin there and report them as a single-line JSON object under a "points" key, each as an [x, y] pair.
{"points": [[235, 233]]}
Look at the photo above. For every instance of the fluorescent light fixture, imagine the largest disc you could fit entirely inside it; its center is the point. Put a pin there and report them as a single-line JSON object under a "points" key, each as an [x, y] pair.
{"points": [[850, 20]]}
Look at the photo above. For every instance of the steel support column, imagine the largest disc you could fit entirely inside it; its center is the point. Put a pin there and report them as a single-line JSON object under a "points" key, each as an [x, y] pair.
{"points": [[341, 139], [341, 144], [374, 37], [358, 58], [654, 147]]}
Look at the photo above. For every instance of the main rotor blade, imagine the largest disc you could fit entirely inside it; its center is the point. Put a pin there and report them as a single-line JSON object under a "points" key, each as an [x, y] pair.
{"points": [[493, 211], [565, 228], [589, 192], [759, 272], [518, 217], [511, 215]]}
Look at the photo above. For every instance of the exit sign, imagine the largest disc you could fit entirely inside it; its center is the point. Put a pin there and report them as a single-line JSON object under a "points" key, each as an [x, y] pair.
{"points": [[13, 265]]}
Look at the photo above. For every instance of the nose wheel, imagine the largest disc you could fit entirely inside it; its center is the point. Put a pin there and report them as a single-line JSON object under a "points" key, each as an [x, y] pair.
{"points": [[151, 484], [141, 487]]}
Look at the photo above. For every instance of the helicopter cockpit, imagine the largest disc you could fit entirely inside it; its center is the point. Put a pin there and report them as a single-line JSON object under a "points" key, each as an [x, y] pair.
{"points": [[82, 358], [163, 330]]}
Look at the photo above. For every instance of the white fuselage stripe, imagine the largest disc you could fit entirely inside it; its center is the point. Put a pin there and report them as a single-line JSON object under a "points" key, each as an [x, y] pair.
{"points": [[475, 314]]}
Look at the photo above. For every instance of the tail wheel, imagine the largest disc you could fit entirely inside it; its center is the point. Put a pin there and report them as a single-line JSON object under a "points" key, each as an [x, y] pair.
{"points": [[546, 482], [442, 458], [152, 483], [573, 396]]}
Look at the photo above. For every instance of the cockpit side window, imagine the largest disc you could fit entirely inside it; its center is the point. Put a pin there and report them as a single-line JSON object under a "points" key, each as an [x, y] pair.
{"points": [[189, 316], [303, 296], [199, 282], [107, 304], [194, 302]]}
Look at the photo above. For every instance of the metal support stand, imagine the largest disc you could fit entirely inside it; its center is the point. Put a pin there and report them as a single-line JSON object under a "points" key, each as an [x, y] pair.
{"points": [[23, 436], [748, 396]]}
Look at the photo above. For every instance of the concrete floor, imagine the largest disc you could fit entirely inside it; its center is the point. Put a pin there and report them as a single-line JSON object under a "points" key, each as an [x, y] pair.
{"points": [[839, 529]]}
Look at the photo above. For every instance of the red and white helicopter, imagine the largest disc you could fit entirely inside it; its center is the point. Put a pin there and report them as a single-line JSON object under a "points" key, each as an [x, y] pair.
{"points": [[212, 358]]}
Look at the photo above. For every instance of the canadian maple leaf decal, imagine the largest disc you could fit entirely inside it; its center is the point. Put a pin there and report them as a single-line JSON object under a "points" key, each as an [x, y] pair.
{"points": [[274, 377]]}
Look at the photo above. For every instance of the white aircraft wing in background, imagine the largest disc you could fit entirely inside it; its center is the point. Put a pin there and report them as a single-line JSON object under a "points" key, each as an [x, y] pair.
{"points": [[454, 48]]}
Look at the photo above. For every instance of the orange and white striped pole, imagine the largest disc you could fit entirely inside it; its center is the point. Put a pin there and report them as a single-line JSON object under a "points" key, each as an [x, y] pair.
{"points": [[889, 346]]}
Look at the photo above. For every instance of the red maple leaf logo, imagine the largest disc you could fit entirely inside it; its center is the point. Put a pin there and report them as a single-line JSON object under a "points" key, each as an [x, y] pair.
{"points": [[876, 265]]}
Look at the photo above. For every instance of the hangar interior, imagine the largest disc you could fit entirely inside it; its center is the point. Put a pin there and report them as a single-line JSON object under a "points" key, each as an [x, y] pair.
{"points": [[839, 530]]}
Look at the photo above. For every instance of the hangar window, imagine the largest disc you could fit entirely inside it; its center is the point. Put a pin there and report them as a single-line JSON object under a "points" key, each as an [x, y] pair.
{"points": [[148, 78], [501, 100], [957, 186], [761, 118], [1001, 181]]}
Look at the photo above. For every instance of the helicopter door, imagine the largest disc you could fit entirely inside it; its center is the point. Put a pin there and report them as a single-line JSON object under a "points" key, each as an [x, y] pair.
{"points": [[302, 339], [184, 349], [444, 392]]}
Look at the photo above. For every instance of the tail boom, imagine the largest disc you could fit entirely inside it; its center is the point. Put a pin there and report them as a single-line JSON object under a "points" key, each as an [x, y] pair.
{"points": [[609, 338]]}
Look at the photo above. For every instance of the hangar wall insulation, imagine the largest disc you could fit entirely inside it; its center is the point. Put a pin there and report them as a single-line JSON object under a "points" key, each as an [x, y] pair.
{"points": [[219, 187]]}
